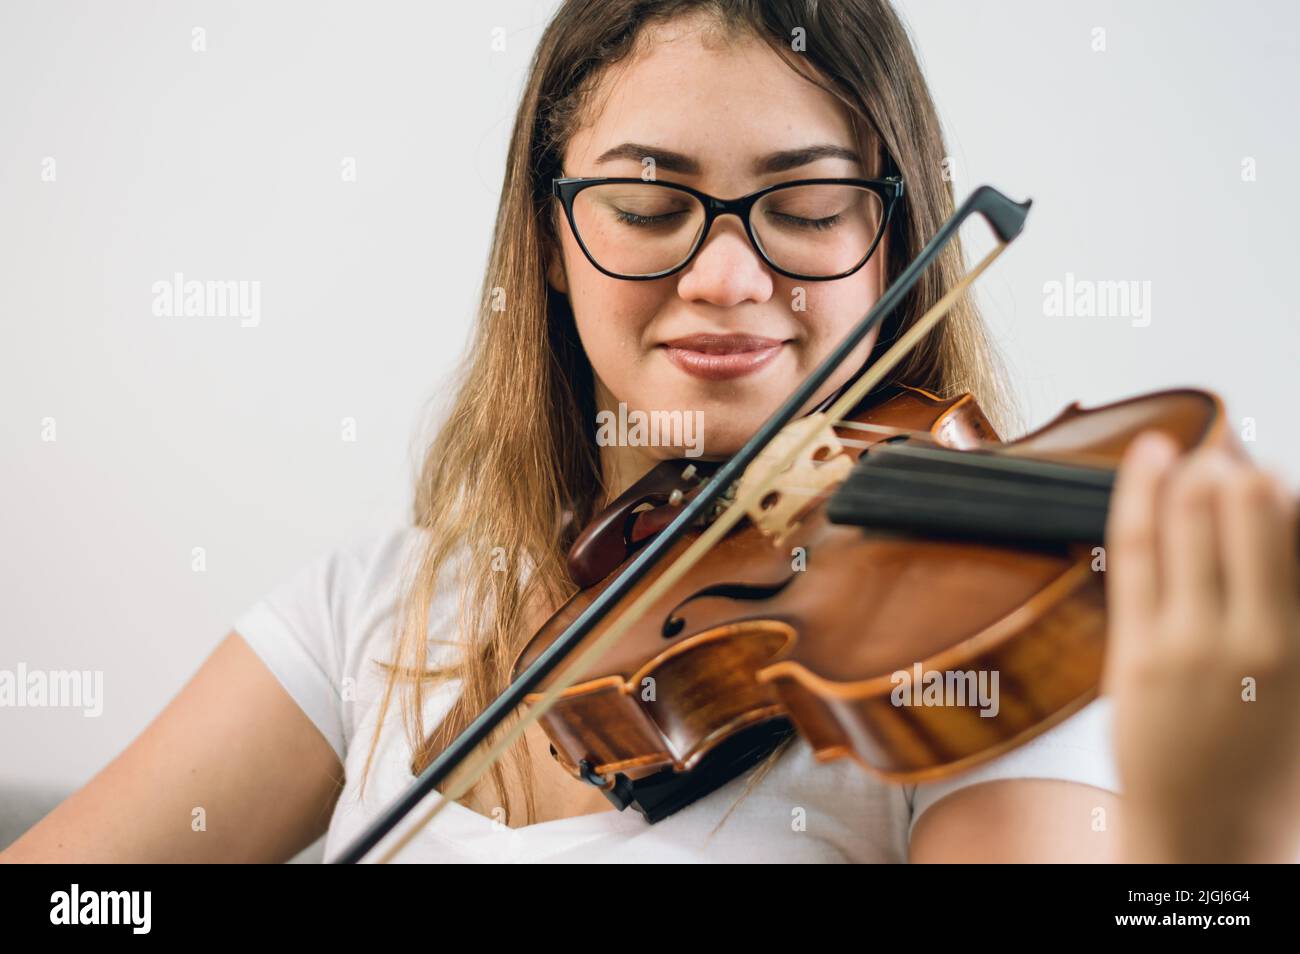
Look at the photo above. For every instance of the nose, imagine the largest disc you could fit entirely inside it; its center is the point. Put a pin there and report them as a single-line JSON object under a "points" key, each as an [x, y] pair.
{"points": [[727, 270]]}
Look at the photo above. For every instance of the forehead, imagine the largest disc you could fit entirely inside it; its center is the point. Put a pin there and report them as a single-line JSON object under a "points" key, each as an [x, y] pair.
{"points": [[720, 97]]}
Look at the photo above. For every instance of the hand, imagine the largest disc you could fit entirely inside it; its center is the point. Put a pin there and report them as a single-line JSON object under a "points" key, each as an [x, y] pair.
{"points": [[1203, 656]]}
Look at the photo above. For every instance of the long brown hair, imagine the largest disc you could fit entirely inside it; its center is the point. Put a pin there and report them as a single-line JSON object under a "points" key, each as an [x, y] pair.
{"points": [[513, 472]]}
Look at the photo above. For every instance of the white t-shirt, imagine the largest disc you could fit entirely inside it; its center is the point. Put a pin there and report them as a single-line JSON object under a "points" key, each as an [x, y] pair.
{"points": [[320, 631]]}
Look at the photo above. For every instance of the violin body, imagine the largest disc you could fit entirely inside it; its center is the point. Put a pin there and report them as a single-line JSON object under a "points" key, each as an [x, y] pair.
{"points": [[859, 638]]}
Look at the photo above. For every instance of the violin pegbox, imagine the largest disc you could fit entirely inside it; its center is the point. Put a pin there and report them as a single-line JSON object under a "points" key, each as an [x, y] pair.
{"points": [[820, 467]]}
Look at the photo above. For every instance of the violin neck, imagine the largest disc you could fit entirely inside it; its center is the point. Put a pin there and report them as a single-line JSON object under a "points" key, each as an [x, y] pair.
{"points": [[935, 491]]}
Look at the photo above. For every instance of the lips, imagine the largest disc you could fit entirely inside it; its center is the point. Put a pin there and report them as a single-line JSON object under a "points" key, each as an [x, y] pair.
{"points": [[718, 357]]}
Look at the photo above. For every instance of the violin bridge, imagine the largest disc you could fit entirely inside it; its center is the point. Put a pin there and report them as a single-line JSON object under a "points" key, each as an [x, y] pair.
{"points": [[819, 468]]}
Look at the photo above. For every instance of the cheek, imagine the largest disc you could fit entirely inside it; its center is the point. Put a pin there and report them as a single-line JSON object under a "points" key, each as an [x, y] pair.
{"points": [[612, 316], [833, 308]]}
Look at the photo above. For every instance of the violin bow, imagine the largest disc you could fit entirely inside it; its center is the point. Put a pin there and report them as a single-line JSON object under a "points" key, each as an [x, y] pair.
{"points": [[1005, 216]]}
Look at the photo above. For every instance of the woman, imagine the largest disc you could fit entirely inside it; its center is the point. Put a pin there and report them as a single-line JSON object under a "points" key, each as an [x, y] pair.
{"points": [[293, 727]]}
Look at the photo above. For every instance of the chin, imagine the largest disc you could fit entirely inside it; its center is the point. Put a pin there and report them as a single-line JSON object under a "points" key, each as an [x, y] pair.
{"points": [[729, 440]]}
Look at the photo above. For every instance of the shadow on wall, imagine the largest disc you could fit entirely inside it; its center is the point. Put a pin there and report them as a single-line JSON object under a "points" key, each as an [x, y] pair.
{"points": [[21, 808]]}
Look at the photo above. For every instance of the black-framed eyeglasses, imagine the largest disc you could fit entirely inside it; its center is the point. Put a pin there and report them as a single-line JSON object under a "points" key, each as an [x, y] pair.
{"points": [[809, 229]]}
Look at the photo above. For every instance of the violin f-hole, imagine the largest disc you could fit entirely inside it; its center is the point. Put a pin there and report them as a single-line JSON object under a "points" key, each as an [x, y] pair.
{"points": [[674, 623]]}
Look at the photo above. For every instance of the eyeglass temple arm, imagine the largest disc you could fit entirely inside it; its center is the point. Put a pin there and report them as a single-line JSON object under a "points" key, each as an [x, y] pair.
{"points": [[1005, 216]]}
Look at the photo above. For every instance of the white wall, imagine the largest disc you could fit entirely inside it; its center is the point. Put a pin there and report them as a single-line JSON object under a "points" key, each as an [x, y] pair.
{"points": [[182, 433]]}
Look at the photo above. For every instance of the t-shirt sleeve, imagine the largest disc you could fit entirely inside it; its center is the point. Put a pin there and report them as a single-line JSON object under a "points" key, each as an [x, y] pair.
{"points": [[302, 629], [1077, 750]]}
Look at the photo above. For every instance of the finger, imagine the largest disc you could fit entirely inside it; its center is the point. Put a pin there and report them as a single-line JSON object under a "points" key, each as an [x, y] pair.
{"points": [[1132, 583], [1190, 580], [1259, 557]]}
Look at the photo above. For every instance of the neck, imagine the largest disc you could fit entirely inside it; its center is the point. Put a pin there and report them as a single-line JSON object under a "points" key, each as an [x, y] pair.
{"points": [[620, 470]]}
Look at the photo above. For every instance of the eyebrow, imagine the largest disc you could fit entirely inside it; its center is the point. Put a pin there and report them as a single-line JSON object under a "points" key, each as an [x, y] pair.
{"points": [[773, 162]]}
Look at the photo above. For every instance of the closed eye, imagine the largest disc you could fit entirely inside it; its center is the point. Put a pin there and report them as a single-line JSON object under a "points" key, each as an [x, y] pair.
{"points": [[816, 225], [631, 218]]}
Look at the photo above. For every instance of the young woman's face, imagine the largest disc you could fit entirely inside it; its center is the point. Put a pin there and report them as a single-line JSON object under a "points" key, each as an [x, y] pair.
{"points": [[710, 115]]}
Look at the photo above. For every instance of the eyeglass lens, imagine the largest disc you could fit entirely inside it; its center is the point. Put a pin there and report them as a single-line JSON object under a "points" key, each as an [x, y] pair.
{"points": [[643, 228]]}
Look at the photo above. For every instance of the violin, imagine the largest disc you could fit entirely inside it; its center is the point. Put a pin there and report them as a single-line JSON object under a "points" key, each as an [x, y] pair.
{"points": [[913, 543], [723, 606]]}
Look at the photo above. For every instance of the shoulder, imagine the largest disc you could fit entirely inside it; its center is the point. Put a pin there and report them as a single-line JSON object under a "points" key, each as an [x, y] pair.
{"points": [[352, 579], [317, 625]]}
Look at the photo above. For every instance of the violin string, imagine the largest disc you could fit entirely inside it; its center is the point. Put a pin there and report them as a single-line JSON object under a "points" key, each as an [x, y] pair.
{"points": [[975, 488], [747, 497], [1043, 522], [1070, 486], [908, 494], [1100, 476]]}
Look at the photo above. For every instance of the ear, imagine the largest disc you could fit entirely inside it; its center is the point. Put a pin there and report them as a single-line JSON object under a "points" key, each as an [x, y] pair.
{"points": [[555, 272]]}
